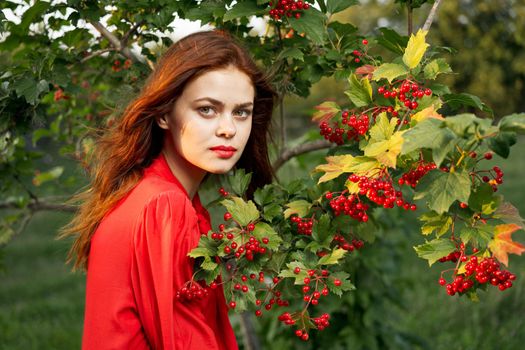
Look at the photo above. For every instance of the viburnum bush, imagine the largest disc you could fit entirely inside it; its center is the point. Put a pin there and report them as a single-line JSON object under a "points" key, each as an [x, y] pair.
{"points": [[393, 151], [397, 146]]}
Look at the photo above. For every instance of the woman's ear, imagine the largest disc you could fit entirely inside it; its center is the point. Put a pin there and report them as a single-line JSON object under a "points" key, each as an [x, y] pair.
{"points": [[162, 122]]}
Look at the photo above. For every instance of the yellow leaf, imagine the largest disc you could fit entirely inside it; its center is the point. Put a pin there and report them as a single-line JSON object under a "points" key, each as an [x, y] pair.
{"points": [[386, 151], [502, 244], [325, 111], [428, 112], [299, 207], [415, 49], [352, 187], [383, 128], [338, 165]]}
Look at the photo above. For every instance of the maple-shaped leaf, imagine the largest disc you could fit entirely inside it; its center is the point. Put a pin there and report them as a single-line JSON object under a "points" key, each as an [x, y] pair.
{"points": [[347, 163], [502, 244], [325, 111], [386, 151]]}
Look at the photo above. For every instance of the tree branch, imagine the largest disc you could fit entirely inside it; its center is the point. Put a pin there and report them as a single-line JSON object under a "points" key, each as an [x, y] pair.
{"points": [[431, 15], [96, 53], [132, 30], [287, 154], [114, 41], [251, 342], [39, 205]]}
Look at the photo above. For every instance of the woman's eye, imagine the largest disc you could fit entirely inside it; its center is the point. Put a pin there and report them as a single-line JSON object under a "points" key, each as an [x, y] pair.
{"points": [[206, 110], [243, 113]]}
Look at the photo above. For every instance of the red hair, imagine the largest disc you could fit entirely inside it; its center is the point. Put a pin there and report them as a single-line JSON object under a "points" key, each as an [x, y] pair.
{"points": [[124, 151]]}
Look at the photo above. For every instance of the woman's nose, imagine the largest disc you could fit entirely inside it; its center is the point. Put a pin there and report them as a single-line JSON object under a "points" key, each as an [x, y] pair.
{"points": [[226, 127]]}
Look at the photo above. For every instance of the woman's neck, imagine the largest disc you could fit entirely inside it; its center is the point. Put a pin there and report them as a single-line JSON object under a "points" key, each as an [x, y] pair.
{"points": [[188, 175]]}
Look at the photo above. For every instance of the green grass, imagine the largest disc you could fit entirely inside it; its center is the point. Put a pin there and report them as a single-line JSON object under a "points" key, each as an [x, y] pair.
{"points": [[41, 301]]}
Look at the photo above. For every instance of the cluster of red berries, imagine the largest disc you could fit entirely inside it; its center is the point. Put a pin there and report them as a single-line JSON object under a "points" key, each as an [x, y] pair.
{"points": [[408, 93], [497, 177], [288, 8], [412, 177], [59, 95], [357, 125], [304, 226], [344, 244], [193, 290], [478, 273], [453, 257], [117, 65], [357, 54], [322, 321], [349, 205], [249, 248], [223, 192]]}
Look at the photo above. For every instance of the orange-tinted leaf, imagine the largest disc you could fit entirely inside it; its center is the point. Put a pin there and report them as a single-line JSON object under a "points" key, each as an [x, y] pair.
{"points": [[502, 244], [366, 70], [325, 111]]}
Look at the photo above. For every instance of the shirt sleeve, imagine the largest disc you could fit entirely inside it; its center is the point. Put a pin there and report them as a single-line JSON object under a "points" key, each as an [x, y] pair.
{"points": [[159, 230]]}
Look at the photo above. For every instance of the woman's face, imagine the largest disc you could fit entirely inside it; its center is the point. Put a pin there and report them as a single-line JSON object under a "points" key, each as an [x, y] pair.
{"points": [[211, 121]]}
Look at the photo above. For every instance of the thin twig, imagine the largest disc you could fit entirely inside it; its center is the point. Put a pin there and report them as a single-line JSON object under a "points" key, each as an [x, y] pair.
{"points": [[431, 15], [410, 17], [39, 205], [287, 154], [96, 53], [27, 217], [132, 30]]}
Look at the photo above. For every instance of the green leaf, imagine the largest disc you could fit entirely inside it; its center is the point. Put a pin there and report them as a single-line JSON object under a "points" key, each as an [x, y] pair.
{"points": [[508, 213], [418, 137], [270, 211], [434, 222], [476, 236], [436, 67], [33, 15], [263, 230], [199, 251], [415, 49], [334, 6], [392, 41], [389, 71], [332, 258], [467, 124], [386, 151], [455, 101], [484, 200], [243, 212], [243, 9], [441, 189], [291, 52], [239, 181], [514, 122], [299, 207], [435, 250], [321, 229], [30, 89], [312, 23], [345, 286], [289, 272], [360, 91], [383, 128], [502, 143]]}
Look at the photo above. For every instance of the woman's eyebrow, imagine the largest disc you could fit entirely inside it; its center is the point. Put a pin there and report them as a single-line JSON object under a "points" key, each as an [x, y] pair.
{"points": [[219, 103]]}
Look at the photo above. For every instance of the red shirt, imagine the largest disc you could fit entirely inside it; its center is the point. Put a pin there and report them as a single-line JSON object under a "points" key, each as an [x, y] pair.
{"points": [[138, 260]]}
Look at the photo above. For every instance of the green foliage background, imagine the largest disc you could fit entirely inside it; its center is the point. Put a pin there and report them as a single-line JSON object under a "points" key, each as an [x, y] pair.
{"points": [[398, 303]]}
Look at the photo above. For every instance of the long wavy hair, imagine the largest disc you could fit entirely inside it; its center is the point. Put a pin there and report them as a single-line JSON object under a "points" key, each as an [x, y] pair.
{"points": [[125, 150]]}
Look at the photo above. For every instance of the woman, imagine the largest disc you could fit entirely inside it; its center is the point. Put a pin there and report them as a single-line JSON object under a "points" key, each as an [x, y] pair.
{"points": [[205, 109]]}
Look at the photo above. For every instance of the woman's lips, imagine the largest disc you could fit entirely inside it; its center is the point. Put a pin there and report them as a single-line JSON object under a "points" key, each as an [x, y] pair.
{"points": [[224, 152]]}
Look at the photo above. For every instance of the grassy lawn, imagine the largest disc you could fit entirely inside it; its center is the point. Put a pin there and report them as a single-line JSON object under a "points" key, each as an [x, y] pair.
{"points": [[41, 301]]}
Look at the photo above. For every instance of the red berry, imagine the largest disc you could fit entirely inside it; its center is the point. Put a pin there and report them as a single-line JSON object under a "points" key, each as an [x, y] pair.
{"points": [[297, 270], [258, 313], [488, 156], [233, 304], [227, 216], [365, 42], [337, 282]]}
